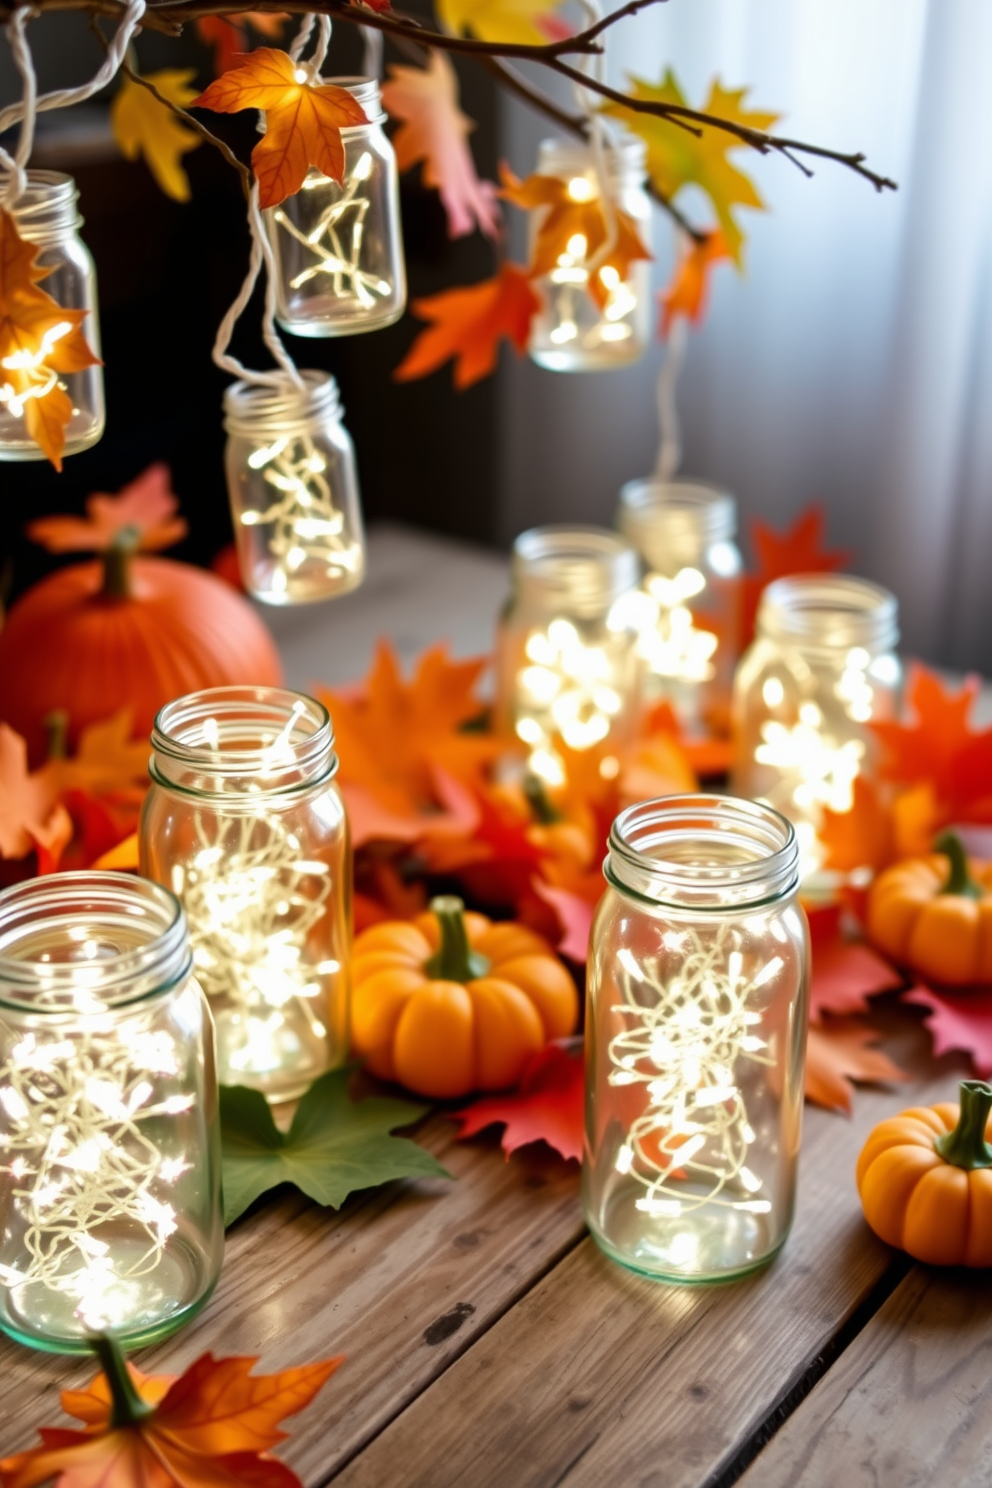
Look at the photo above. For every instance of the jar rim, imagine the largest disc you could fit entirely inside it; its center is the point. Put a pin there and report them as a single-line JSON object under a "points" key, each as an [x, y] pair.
{"points": [[829, 612], [260, 409], [88, 987], [654, 514], [705, 853], [46, 206], [583, 569]]}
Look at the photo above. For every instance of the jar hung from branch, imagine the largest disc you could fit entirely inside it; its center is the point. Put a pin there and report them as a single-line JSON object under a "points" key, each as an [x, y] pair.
{"points": [[697, 1003], [293, 489], [684, 533], [596, 300], [46, 218], [565, 648], [245, 823], [339, 266], [109, 1133], [821, 669]]}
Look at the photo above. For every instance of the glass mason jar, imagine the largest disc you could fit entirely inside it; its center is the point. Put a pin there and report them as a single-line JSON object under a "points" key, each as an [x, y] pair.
{"points": [[293, 489], [110, 1142], [565, 647], [684, 533], [339, 249], [47, 218], [696, 1012], [821, 669], [592, 318], [246, 825]]}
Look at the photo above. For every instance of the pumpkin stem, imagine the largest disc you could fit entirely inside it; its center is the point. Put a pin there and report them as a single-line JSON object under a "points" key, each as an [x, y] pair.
{"points": [[959, 880], [540, 802], [455, 961], [128, 1408], [56, 726], [966, 1146], [117, 563]]}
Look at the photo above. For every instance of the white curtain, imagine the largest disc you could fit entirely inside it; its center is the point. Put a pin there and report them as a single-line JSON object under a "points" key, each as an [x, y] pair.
{"points": [[853, 361]]}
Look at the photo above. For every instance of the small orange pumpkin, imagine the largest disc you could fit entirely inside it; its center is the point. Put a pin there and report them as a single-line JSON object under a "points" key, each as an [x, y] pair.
{"points": [[925, 1180], [932, 915], [449, 1002]]}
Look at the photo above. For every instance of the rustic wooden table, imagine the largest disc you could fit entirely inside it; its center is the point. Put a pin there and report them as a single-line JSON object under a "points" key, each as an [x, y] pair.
{"points": [[490, 1344]]}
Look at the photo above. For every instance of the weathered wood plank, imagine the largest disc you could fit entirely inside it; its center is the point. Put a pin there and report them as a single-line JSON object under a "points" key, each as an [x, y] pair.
{"points": [[908, 1403]]}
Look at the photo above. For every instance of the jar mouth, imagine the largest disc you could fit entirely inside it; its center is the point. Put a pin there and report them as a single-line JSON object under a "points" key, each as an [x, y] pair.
{"points": [[664, 517], [582, 569], [263, 410], [702, 852], [252, 741], [626, 159], [364, 90], [82, 943], [47, 205], [830, 612]]}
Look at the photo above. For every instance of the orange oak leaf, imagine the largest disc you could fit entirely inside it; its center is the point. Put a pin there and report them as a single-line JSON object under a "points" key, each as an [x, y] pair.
{"points": [[434, 130], [959, 1020], [548, 1106], [303, 120], [144, 509], [39, 343], [228, 35], [689, 290], [210, 1428], [940, 747], [30, 815], [846, 972], [468, 325], [800, 549], [839, 1051]]}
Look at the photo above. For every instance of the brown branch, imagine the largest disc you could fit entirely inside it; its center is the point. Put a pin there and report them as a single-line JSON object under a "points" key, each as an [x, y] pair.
{"points": [[196, 126]]}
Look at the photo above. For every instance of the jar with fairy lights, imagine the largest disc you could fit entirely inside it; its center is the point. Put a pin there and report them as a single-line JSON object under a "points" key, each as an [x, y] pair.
{"points": [[684, 532], [293, 489], [596, 308], [338, 249], [56, 377], [821, 670], [110, 1169], [566, 663], [697, 1002], [244, 822]]}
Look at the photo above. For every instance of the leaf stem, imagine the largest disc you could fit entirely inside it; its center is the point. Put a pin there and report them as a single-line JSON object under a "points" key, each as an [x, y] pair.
{"points": [[129, 1409]]}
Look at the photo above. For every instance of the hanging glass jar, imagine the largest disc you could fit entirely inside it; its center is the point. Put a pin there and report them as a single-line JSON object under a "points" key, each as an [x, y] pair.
{"points": [[246, 825], [596, 308], [565, 647], [339, 249], [696, 1016], [110, 1142], [46, 217], [684, 533], [293, 489], [821, 669]]}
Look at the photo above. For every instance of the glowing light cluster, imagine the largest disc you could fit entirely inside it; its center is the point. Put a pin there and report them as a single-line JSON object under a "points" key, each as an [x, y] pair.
{"points": [[35, 379], [568, 688], [569, 281], [335, 240], [670, 642]]}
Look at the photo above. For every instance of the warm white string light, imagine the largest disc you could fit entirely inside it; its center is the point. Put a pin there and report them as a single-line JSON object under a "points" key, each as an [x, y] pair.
{"points": [[342, 224], [670, 642], [568, 688]]}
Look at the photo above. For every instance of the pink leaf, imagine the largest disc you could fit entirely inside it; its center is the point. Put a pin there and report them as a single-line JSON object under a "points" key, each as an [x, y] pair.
{"points": [[960, 1020], [548, 1107]]}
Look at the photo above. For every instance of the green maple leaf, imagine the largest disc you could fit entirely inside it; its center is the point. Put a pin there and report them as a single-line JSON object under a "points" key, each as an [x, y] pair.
{"points": [[334, 1146], [677, 158]]}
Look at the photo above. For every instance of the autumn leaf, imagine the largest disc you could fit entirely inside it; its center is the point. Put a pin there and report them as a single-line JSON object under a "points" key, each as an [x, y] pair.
{"points": [[144, 126], [212, 1427], [845, 972], [434, 130], [468, 324], [228, 35], [523, 22], [839, 1051], [123, 858], [939, 746], [39, 342], [574, 914], [30, 815], [688, 292], [799, 549], [303, 120], [145, 510], [677, 157], [960, 1020], [881, 827], [548, 1106], [109, 760]]}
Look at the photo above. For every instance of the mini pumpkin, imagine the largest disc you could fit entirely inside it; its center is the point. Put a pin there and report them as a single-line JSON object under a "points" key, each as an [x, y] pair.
{"points": [[934, 915], [925, 1180], [450, 1002]]}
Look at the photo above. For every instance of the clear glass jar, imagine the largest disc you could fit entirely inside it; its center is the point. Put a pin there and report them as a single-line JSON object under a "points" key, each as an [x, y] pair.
{"points": [[46, 216], [684, 533], [293, 489], [110, 1169], [696, 1011], [566, 667], [583, 329], [339, 249], [821, 669], [246, 825]]}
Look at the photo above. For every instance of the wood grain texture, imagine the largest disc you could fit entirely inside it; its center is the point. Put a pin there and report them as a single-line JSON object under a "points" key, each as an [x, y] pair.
{"points": [[908, 1404]]}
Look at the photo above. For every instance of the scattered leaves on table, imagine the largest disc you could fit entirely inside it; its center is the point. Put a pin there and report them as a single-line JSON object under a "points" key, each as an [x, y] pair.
{"points": [[548, 1106], [688, 292], [523, 22], [145, 509], [467, 326], [334, 1146], [839, 1051], [845, 971], [959, 1020], [144, 126]]}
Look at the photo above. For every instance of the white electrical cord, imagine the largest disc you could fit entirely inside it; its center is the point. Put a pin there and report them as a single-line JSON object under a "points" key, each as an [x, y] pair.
{"points": [[261, 252], [670, 446], [16, 164]]}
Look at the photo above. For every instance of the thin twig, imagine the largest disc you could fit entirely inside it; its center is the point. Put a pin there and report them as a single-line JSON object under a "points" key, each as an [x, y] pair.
{"points": [[196, 126]]}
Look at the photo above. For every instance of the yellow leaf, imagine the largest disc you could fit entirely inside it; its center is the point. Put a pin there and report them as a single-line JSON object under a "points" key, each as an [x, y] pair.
{"points": [[513, 21], [144, 126], [677, 158]]}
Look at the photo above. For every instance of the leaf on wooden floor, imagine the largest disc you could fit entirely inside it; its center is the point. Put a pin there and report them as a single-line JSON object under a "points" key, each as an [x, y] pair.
{"points": [[846, 972], [959, 1020], [548, 1106]]}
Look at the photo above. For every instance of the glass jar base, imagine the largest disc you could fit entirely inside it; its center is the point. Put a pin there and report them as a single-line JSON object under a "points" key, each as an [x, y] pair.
{"points": [[587, 361], [324, 328], [275, 1051], [716, 1244], [22, 450]]}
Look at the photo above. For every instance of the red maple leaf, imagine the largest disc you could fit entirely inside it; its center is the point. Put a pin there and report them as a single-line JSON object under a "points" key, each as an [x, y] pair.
{"points": [[800, 549], [549, 1106], [959, 1020], [940, 747], [845, 972], [468, 325]]}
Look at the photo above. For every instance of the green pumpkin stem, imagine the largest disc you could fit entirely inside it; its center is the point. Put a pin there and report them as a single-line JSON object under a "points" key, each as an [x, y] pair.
{"points": [[128, 1409], [56, 726], [540, 802], [959, 880], [965, 1146], [454, 961], [117, 563]]}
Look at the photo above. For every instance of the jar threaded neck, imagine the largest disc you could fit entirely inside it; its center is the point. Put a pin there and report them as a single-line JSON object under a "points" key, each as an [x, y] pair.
{"points": [[675, 520], [829, 612], [576, 570]]}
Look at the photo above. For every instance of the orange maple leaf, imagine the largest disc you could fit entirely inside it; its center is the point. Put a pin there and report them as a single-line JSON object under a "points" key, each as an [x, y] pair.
{"points": [[798, 550], [688, 292], [210, 1428], [109, 760], [468, 325], [839, 1051], [30, 813], [39, 340], [146, 509], [940, 747], [303, 120]]}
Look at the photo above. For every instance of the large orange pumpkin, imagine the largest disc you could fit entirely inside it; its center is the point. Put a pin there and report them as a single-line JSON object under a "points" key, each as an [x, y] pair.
{"points": [[124, 631]]}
